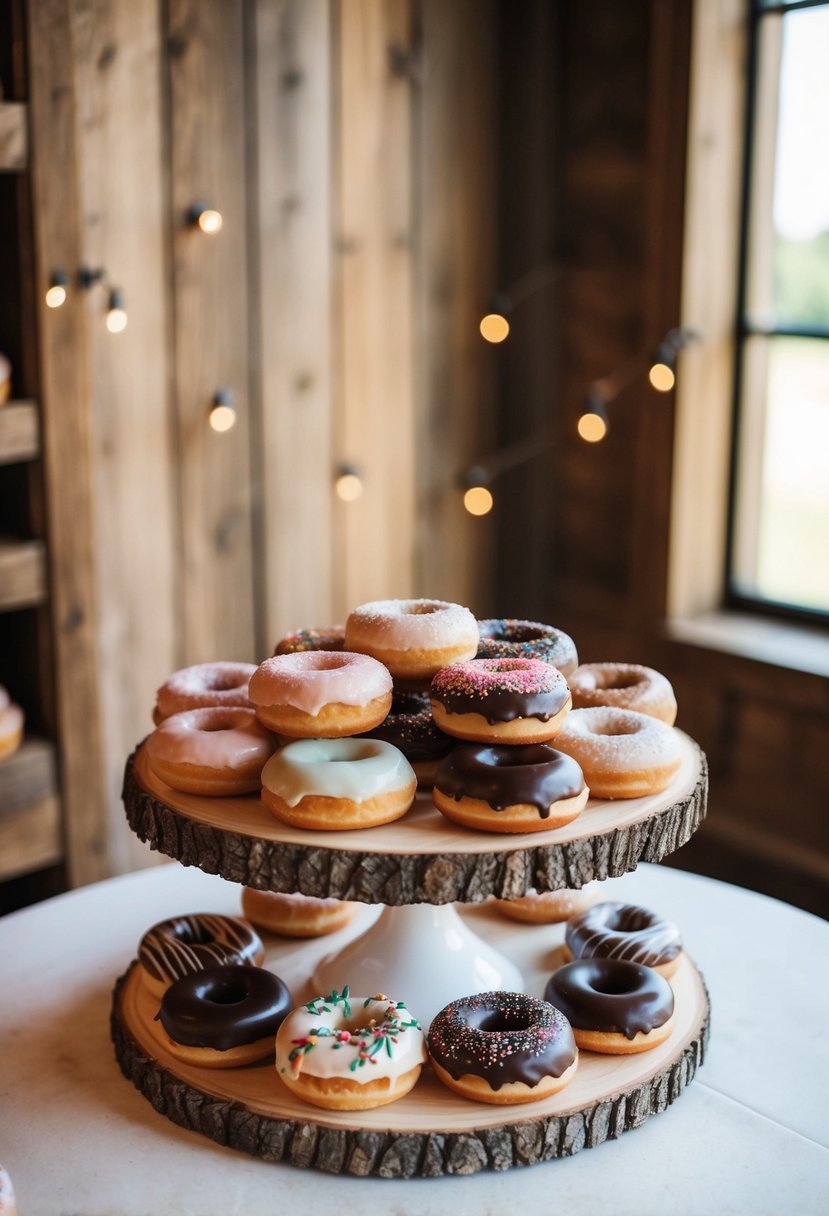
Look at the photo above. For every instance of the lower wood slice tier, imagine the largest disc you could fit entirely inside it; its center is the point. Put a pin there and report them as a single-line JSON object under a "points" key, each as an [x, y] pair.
{"points": [[431, 1131], [421, 858]]}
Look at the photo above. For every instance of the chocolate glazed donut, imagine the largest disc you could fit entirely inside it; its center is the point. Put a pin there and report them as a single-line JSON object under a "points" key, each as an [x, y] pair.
{"points": [[224, 1007], [533, 775], [612, 1005]]}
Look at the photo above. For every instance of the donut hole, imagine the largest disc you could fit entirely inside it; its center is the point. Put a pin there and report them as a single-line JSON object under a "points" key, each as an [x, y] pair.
{"points": [[615, 985], [323, 660], [194, 935], [421, 609], [230, 993], [628, 920], [611, 729], [617, 680], [498, 1022], [223, 682]]}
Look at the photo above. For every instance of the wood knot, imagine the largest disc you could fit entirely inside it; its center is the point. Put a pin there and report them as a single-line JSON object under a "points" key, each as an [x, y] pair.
{"points": [[107, 57]]}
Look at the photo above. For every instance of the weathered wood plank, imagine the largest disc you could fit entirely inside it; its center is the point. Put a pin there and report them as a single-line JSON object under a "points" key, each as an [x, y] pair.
{"points": [[209, 283], [28, 775], [67, 443], [22, 573], [14, 143], [118, 57], [30, 838], [374, 313], [19, 432], [291, 118]]}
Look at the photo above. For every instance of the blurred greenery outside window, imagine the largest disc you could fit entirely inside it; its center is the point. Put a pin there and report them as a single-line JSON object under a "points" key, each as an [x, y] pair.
{"points": [[778, 554]]}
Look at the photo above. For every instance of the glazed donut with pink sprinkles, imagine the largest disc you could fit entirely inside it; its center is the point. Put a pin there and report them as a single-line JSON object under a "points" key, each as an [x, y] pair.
{"points": [[500, 700]]}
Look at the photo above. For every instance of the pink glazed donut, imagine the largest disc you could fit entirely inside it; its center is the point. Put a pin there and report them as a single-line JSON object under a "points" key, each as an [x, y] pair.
{"points": [[321, 694], [210, 751], [203, 685]]}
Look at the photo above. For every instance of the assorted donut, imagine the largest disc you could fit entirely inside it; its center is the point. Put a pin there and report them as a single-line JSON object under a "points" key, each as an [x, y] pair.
{"points": [[213, 751], [623, 754], [614, 1007], [12, 720], [500, 700], [624, 931], [185, 945]]}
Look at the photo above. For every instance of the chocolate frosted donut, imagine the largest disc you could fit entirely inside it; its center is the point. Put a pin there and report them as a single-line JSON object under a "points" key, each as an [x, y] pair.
{"points": [[613, 1006], [183, 945], [500, 700], [411, 728], [625, 931], [225, 1008], [511, 639], [502, 1047], [509, 789]]}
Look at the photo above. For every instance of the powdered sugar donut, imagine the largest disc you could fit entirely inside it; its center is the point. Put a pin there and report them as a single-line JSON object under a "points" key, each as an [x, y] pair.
{"points": [[294, 915], [414, 638], [332, 784], [511, 639], [319, 694], [500, 700], [622, 754], [624, 686], [216, 751], [344, 1052], [202, 685]]}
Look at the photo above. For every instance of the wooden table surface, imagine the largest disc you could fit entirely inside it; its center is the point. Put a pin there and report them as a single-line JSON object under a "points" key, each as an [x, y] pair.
{"points": [[749, 1135]]}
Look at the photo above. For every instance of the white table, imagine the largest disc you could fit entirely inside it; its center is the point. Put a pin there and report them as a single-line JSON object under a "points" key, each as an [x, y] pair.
{"points": [[749, 1135]]}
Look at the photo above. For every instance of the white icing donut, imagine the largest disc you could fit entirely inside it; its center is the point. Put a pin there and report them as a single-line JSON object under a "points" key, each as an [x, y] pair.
{"points": [[624, 686], [414, 638], [321, 694], [621, 753], [202, 685], [210, 751], [338, 783], [350, 1053]]}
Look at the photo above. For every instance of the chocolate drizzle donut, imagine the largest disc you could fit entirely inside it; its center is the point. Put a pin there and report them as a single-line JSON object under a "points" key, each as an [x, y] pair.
{"points": [[511, 639], [536, 775], [504, 1039], [224, 1007], [608, 997], [624, 931], [183, 945]]}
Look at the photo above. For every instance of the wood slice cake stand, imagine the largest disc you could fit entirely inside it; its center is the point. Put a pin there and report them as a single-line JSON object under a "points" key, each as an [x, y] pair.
{"points": [[419, 949]]}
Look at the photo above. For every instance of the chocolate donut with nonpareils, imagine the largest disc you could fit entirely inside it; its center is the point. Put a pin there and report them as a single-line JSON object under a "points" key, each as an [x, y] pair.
{"points": [[508, 788]]}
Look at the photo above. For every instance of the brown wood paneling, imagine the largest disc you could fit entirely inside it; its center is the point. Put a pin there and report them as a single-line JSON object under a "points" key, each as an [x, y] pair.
{"points": [[205, 44], [30, 838], [28, 775], [22, 573], [374, 546], [14, 149], [67, 442], [455, 159], [118, 76], [19, 432], [291, 119]]}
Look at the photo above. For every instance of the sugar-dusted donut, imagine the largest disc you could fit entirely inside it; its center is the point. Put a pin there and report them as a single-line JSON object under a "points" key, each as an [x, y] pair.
{"points": [[344, 1052], [12, 720], [321, 694], [542, 907], [333, 784], [502, 1047], [224, 1017], [332, 637], [624, 686], [625, 931], [614, 1007], [511, 639], [411, 728], [413, 638], [183, 945], [205, 684], [214, 752], [500, 700], [509, 789], [622, 754], [294, 915]]}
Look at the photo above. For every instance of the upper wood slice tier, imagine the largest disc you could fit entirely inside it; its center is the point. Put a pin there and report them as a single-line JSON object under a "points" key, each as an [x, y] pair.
{"points": [[422, 858]]}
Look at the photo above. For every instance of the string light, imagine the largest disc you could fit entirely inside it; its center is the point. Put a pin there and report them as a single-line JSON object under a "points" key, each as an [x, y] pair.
{"points": [[348, 484], [478, 500], [208, 219], [494, 328], [116, 318], [222, 415], [56, 291], [593, 424]]}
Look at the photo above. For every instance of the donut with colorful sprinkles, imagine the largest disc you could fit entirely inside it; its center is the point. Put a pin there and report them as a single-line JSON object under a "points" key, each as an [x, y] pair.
{"points": [[500, 700], [511, 639], [344, 1052], [503, 1048]]}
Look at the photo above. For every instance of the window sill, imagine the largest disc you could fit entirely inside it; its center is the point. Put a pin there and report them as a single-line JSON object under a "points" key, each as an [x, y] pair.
{"points": [[778, 643]]}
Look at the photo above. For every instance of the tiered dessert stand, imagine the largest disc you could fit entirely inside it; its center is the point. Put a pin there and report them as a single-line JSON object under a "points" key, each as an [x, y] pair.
{"points": [[421, 950]]}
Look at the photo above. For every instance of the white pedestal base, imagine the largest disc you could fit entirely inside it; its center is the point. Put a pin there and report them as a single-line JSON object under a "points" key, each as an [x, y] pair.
{"points": [[423, 955]]}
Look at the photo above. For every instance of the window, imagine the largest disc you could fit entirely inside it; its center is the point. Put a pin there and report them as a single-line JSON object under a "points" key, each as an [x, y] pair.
{"points": [[778, 551]]}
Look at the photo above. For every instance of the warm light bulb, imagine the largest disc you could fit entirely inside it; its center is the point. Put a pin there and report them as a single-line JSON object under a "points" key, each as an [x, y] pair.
{"points": [[210, 221], [55, 295], [494, 327], [116, 320], [477, 500], [662, 377], [348, 487], [592, 427], [222, 418]]}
